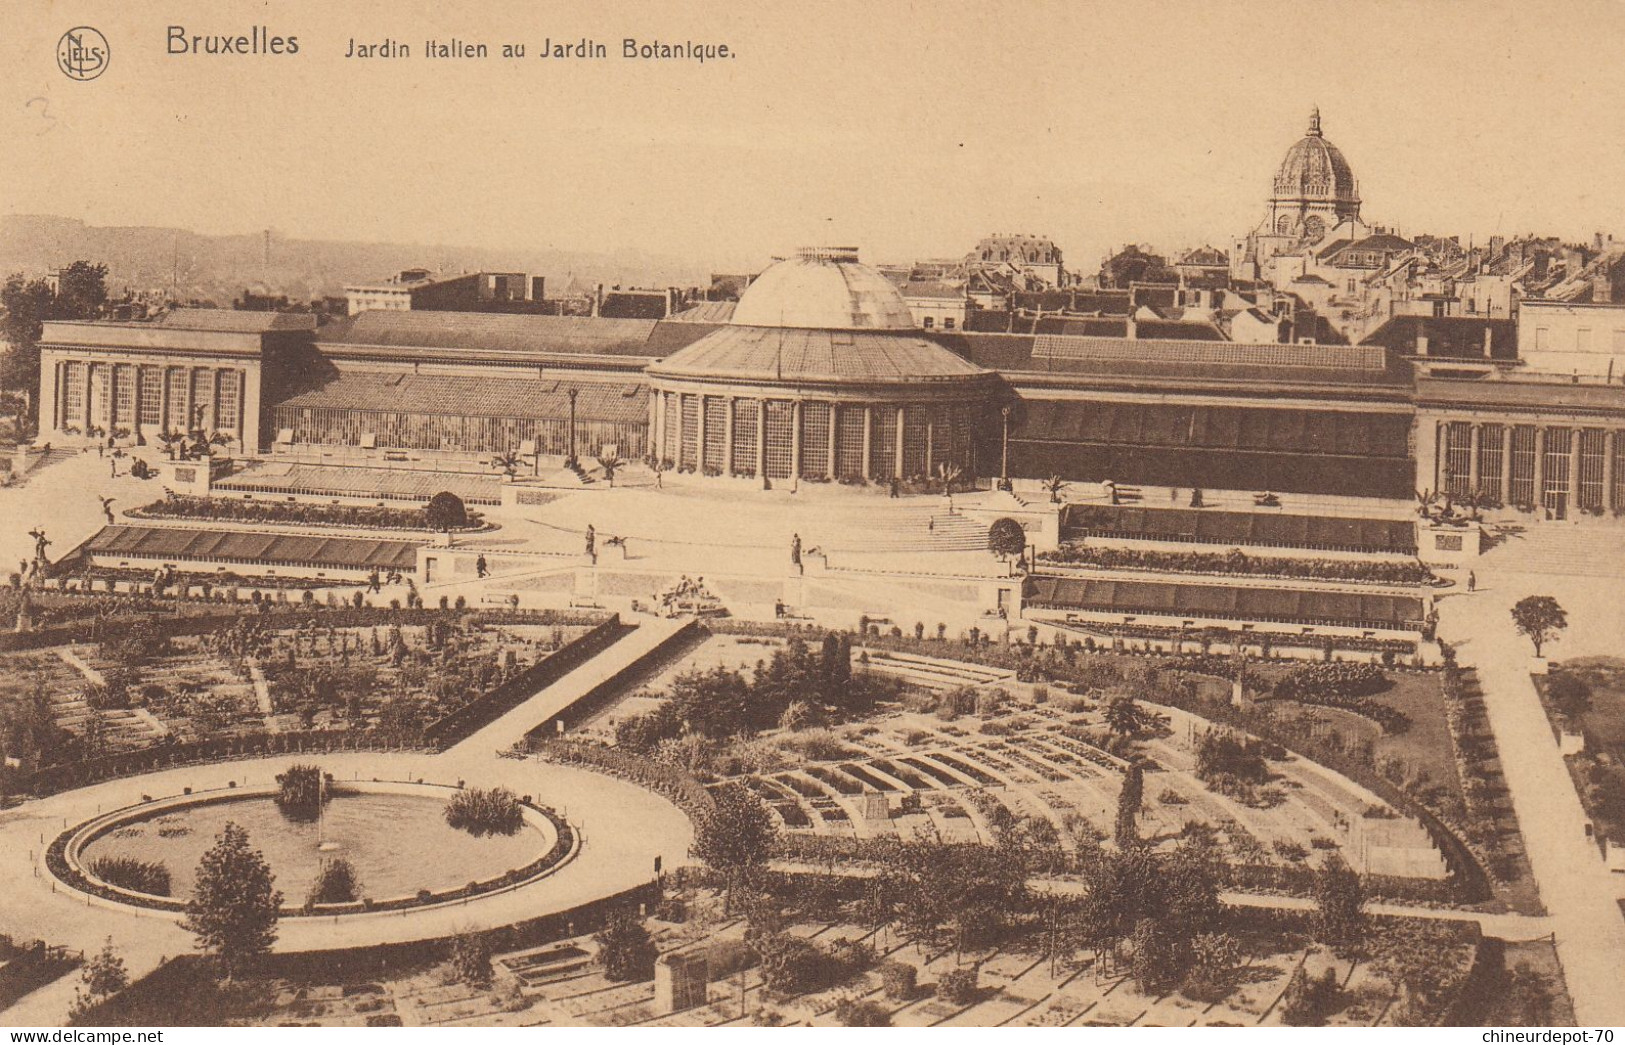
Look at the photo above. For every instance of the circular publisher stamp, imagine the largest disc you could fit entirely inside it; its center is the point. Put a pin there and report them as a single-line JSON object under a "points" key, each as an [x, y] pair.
{"points": [[82, 53]]}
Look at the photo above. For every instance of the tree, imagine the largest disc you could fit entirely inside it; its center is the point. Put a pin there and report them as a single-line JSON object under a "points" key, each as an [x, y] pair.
{"points": [[956, 895], [1128, 806], [234, 904], [1527, 1000], [445, 512], [1309, 1000], [80, 294], [1540, 618], [471, 958], [1568, 693], [1123, 715], [1339, 904], [102, 977], [1411, 957], [1054, 486], [1006, 538], [735, 838], [625, 948]]}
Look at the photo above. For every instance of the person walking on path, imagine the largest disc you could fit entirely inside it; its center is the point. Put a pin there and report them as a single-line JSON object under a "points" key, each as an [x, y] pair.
{"points": [[480, 567], [1472, 581]]}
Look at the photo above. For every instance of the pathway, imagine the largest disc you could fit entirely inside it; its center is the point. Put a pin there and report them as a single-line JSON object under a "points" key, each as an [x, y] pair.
{"points": [[1575, 885], [547, 703], [262, 694]]}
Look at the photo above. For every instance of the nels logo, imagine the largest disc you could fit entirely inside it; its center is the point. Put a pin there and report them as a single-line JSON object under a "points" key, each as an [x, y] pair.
{"points": [[82, 53]]}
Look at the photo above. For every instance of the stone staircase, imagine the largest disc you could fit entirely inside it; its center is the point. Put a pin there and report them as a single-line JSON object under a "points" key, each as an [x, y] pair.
{"points": [[908, 530], [1564, 549]]}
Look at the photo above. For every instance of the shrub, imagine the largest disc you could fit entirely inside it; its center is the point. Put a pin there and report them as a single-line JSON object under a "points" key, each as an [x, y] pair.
{"points": [[625, 948], [301, 791], [471, 959], [337, 883], [900, 980], [958, 986], [493, 811], [860, 1012], [142, 876], [1309, 1001]]}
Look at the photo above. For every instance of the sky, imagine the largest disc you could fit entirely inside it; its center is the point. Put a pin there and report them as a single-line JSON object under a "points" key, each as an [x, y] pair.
{"points": [[909, 129]]}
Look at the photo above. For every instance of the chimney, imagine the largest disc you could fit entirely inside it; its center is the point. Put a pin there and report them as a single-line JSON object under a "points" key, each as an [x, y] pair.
{"points": [[1421, 344], [598, 300]]}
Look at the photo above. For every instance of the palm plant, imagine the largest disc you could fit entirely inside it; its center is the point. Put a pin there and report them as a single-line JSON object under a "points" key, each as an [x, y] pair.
{"points": [[172, 442], [506, 462], [1053, 486], [609, 463]]}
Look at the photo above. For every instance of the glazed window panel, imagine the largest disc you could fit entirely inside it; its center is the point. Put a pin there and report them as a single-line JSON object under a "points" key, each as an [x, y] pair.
{"points": [[1523, 465], [965, 455], [230, 389], [1618, 493], [1458, 458], [124, 394], [716, 434], [202, 393], [849, 442], [101, 395], [883, 442], [1589, 489], [674, 425], [152, 396], [177, 418], [914, 440], [815, 421], [744, 444], [1490, 463], [73, 398], [689, 451], [1556, 465], [780, 434]]}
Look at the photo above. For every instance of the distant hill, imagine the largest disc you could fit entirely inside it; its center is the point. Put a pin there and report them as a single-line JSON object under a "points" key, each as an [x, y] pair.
{"points": [[218, 268]]}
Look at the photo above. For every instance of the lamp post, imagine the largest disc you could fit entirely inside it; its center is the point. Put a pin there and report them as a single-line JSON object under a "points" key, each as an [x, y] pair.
{"points": [[573, 462], [1004, 452]]}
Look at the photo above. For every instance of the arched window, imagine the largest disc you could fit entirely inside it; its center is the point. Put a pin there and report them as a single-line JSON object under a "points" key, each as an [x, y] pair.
{"points": [[1283, 225]]}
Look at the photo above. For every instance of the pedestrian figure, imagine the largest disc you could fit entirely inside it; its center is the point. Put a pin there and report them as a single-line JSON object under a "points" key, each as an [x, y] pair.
{"points": [[931, 524], [795, 549], [480, 566], [592, 542], [1472, 581]]}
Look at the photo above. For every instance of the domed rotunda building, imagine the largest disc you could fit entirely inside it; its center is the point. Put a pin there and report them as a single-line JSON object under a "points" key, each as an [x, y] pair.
{"points": [[1315, 190], [822, 375]]}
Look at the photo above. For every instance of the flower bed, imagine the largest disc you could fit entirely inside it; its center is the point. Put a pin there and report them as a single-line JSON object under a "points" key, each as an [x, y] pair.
{"points": [[225, 509], [1236, 563]]}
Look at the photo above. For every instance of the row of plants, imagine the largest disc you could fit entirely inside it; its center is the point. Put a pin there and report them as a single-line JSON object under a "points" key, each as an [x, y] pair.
{"points": [[1238, 563], [224, 509]]}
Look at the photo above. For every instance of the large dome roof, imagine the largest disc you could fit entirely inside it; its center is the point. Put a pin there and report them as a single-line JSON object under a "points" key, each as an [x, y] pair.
{"points": [[776, 355], [823, 288], [1315, 169]]}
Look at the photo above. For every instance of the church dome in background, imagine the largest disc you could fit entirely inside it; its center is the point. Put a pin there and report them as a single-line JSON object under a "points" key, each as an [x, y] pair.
{"points": [[1315, 169], [823, 288]]}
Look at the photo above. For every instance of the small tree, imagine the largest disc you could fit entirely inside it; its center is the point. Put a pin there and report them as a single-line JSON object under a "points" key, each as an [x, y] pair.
{"points": [[337, 883], [1540, 618], [1123, 715], [1339, 905], [102, 977], [1006, 538], [445, 512], [234, 904], [625, 948], [736, 837], [1055, 486]]}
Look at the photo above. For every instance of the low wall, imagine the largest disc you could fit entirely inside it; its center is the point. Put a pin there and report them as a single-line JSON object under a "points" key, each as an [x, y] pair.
{"points": [[485, 709]]}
